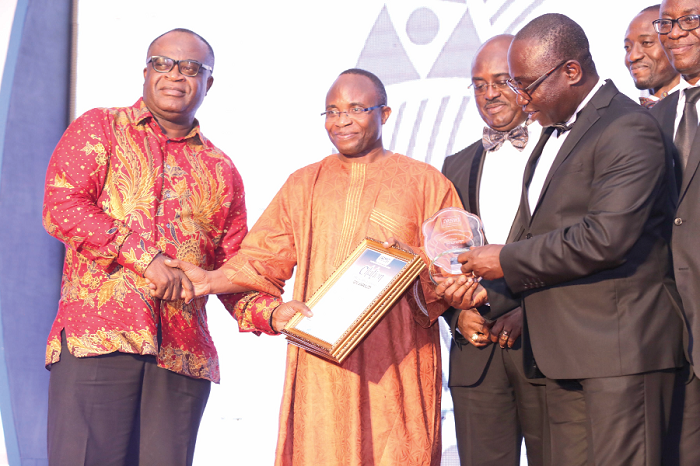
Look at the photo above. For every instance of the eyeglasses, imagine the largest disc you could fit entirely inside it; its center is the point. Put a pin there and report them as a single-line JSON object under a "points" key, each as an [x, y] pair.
{"points": [[686, 23], [187, 67], [353, 112], [525, 93], [480, 89]]}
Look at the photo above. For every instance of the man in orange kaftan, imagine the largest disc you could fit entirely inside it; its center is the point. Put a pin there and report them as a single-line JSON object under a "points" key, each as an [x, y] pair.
{"points": [[381, 406]]}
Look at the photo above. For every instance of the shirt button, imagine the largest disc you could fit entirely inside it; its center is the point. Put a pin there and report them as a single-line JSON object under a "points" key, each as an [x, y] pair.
{"points": [[528, 236], [678, 221]]}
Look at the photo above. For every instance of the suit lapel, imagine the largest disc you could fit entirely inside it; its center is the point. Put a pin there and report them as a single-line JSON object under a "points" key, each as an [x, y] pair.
{"points": [[475, 180], [587, 118], [666, 113], [691, 167]]}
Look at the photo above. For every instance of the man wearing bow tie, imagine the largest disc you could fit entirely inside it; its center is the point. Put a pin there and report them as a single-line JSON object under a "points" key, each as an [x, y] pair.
{"points": [[591, 260], [495, 405]]}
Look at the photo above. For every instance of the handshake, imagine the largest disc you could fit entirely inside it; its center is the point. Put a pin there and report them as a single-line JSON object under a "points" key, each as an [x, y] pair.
{"points": [[172, 279]]}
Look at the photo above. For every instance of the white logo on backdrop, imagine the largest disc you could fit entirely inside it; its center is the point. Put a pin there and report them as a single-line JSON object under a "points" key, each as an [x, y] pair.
{"points": [[422, 51]]}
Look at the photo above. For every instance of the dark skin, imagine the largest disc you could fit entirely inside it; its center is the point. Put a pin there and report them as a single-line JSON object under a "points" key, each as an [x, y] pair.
{"points": [[497, 107], [682, 47], [645, 57], [465, 293], [358, 139], [554, 100], [173, 99]]}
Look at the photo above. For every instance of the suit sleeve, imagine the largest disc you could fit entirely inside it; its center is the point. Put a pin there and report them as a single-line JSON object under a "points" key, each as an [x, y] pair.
{"points": [[628, 179]]}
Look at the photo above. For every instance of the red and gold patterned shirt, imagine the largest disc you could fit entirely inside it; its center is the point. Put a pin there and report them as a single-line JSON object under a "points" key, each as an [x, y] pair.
{"points": [[117, 193]]}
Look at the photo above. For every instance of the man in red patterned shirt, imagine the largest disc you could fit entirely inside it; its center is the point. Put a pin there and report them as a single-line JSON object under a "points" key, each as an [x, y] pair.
{"points": [[126, 189]]}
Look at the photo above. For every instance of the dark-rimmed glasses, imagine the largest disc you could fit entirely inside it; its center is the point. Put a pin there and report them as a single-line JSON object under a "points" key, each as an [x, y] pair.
{"points": [[686, 23], [525, 93], [187, 67], [352, 112], [481, 89]]}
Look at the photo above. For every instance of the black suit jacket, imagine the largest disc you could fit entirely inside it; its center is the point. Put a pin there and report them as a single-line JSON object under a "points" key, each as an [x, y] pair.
{"points": [[686, 230], [467, 362], [593, 261]]}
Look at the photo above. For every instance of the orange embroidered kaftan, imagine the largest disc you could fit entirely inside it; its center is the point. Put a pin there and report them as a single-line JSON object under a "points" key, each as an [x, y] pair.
{"points": [[382, 405]]}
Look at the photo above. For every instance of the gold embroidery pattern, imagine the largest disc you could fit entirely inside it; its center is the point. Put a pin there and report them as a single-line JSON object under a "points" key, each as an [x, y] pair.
{"points": [[200, 205], [60, 181], [112, 159], [184, 362], [391, 225], [130, 188], [103, 342], [352, 210]]}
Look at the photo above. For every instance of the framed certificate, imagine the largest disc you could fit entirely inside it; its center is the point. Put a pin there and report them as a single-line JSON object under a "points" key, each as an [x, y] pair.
{"points": [[353, 299]]}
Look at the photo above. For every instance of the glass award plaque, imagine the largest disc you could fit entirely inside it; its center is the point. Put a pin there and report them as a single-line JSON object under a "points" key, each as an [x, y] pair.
{"points": [[353, 300], [449, 233]]}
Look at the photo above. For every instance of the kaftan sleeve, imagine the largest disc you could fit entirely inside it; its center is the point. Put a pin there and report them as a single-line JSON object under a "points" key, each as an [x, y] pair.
{"points": [[264, 263]]}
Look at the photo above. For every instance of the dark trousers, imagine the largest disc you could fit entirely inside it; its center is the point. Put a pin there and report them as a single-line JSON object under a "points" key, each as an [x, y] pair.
{"points": [[493, 415], [122, 409], [610, 420], [683, 445]]}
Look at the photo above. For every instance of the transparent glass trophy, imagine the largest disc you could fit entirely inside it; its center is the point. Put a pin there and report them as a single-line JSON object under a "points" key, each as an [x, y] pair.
{"points": [[449, 233]]}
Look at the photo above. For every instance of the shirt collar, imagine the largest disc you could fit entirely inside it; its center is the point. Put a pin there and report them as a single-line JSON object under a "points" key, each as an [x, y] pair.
{"points": [[584, 102], [142, 113], [683, 84]]}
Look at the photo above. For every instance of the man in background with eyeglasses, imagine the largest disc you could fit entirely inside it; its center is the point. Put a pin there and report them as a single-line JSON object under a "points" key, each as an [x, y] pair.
{"points": [[591, 262], [646, 60], [126, 189], [678, 27], [495, 405]]}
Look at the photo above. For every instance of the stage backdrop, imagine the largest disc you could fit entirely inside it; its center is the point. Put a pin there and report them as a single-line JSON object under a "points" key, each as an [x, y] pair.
{"points": [[275, 60]]}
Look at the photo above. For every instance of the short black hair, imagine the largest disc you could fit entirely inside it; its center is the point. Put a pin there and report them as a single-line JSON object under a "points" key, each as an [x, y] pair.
{"points": [[187, 31], [656, 8], [378, 84], [562, 38]]}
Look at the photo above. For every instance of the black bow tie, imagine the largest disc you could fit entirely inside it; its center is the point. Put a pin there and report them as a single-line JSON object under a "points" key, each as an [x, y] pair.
{"points": [[493, 140], [562, 127]]}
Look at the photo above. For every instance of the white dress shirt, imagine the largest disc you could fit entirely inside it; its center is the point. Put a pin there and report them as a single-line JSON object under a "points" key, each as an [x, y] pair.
{"points": [[550, 151], [681, 103], [501, 185], [645, 93]]}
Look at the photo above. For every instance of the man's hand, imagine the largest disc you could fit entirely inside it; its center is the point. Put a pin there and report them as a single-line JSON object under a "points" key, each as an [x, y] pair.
{"points": [[474, 327], [483, 261], [285, 311], [198, 279], [508, 328], [394, 242], [165, 282], [462, 292]]}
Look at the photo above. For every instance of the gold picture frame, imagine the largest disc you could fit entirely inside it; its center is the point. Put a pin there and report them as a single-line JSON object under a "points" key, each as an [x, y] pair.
{"points": [[364, 287]]}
